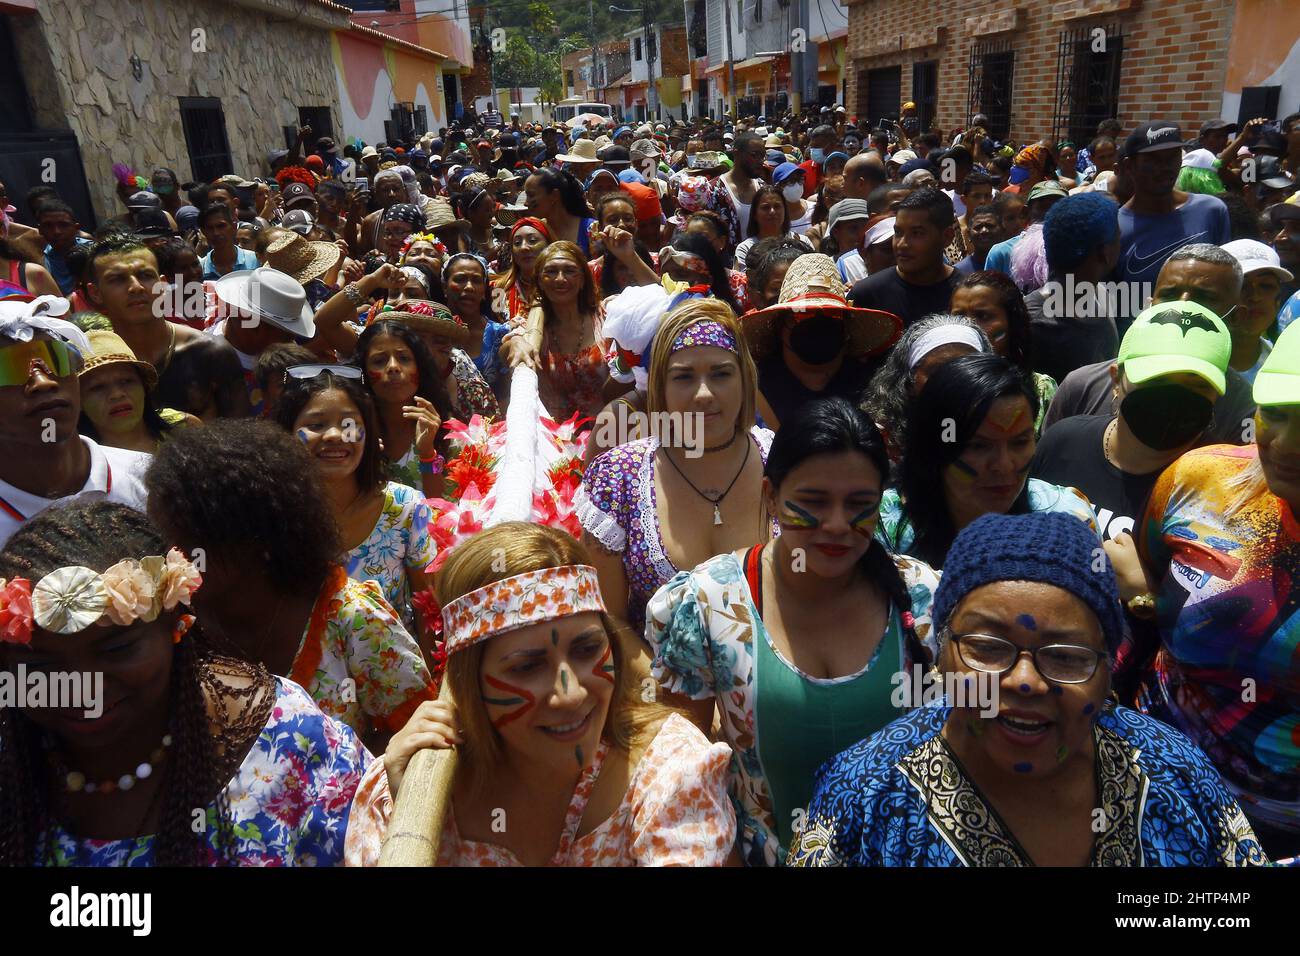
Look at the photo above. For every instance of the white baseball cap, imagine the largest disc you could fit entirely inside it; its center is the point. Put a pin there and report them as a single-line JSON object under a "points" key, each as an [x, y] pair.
{"points": [[880, 232], [1255, 256]]}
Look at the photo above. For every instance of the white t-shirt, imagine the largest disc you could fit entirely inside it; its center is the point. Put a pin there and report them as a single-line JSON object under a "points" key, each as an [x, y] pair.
{"points": [[742, 250], [116, 474]]}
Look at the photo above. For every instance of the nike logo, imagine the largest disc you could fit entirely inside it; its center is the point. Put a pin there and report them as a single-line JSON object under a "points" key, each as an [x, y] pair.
{"points": [[1134, 262]]}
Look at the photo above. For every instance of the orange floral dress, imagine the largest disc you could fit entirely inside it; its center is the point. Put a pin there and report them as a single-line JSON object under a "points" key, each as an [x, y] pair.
{"points": [[574, 383], [675, 813]]}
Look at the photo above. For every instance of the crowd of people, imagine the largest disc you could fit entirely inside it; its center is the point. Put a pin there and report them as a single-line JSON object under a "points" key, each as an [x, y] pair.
{"points": [[1016, 421]]}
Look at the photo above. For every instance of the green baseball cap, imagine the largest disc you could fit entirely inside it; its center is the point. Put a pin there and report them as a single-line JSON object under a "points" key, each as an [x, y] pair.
{"points": [[1048, 187], [1177, 337], [1278, 380]]}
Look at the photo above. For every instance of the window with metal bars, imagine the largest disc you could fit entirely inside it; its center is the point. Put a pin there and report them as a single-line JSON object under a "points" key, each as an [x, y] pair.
{"points": [[205, 137], [1089, 60], [992, 71]]}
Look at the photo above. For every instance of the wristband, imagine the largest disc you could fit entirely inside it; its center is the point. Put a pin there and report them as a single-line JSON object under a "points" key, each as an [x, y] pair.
{"points": [[432, 466], [353, 291]]}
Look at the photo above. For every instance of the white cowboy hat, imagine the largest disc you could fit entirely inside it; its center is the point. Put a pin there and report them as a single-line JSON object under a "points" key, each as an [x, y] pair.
{"points": [[270, 295]]}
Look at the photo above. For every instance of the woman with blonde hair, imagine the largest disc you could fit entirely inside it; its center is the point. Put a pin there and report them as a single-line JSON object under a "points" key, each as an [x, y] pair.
{"points": [[554, 742], [570, 361], [693, 487]]}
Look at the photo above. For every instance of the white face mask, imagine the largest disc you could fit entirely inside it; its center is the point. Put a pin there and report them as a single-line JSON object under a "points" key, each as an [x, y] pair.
{"points": [[793, 193]]}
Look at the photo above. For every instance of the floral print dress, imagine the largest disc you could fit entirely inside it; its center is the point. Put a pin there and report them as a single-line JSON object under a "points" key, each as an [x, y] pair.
{"points": [[617, 506], [709, 641], [357, 661], [399, 542], [289, 800], [574, 383], [675, 812]]}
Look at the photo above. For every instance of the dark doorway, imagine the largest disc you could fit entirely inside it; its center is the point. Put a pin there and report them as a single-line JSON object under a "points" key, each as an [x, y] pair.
{"points": [[318, 118]]}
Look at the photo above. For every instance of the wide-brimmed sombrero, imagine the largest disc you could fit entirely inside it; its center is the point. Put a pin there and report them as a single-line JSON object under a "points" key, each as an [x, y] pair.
{"points": [[812, 287], [429, 317]]}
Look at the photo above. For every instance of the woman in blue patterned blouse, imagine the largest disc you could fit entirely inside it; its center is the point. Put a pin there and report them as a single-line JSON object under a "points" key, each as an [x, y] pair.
{"points": [[1047, 771]]}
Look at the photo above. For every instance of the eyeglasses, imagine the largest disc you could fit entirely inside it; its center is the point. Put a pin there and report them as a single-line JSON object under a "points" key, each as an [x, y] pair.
{"points": [[56, 359], [1060, 663], [311, 371]]}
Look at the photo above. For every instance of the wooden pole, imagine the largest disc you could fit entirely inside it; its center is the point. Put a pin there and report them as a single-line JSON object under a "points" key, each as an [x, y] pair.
{"points": [[422, 805]]}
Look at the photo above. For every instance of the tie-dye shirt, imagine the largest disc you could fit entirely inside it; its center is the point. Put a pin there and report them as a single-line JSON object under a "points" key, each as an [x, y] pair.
{"points": [[1226, 672]]}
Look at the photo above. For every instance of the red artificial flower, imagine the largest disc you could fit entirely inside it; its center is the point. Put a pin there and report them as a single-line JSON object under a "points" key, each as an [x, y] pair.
{"points": [[16, 612]]}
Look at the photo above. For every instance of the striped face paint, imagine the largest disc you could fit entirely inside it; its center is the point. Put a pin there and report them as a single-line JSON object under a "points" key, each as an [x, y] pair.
{"points": [[304, 436], [520, 700], [792, 516], [864, 522], [604, 668], [963, 472]]}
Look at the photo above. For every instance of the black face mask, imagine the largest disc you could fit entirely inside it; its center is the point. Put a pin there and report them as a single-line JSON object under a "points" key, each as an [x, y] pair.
{"points": [[1165, 417], [817, 340]]}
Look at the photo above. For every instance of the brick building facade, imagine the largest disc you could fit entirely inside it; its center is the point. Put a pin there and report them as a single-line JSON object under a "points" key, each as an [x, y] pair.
{"points": [[1040, 68]]}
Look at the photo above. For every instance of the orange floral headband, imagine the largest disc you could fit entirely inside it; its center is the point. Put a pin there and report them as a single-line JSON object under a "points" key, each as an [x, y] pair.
{"points": [[519, 601]]}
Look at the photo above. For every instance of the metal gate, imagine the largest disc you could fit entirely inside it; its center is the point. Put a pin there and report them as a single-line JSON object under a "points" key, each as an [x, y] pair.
{"points": [[925, 91], [884, 93], [1087, 80], [989, 89]]}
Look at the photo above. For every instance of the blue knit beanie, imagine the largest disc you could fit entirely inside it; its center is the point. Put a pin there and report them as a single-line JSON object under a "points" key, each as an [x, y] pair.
{"points": [[1046, 547]]}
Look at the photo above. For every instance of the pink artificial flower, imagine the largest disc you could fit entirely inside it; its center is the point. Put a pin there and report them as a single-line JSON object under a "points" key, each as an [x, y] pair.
{"points": [[179, 581], [130, 592]]}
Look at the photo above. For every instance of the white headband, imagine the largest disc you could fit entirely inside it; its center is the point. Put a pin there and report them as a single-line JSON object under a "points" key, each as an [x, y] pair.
{"points": [[942, 335], [21, 320]]}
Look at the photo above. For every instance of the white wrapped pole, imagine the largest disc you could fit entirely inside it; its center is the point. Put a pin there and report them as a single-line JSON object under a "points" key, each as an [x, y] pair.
{"points": [[517, 467], [415, 830]]}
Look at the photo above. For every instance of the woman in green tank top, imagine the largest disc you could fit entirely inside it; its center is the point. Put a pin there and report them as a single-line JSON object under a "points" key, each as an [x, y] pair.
{"points": [[799, 644]]}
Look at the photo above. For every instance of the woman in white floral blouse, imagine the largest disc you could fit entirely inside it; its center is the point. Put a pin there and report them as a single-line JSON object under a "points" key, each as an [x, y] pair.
{"points": [[798, 643]]}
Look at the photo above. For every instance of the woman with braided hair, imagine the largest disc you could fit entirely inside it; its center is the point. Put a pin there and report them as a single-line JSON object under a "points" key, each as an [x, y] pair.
{"points": [[90, 588], [803, 635]]}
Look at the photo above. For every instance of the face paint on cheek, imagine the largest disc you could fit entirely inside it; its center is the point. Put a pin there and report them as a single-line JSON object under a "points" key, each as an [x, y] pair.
{"points": [[1057, 690], [304, 436], [605, 666], [1088, 709], [962, 472], [523, 701], [973, 727], [792, 516], [864, 522], [1061, 753]]}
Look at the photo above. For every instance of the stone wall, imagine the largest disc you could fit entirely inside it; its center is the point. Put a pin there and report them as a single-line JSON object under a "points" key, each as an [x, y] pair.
{"points": [[261, 70]]}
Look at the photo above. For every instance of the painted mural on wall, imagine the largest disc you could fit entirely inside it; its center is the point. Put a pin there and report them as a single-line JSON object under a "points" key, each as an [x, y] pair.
{"points": [[1265, 51], [373, 77]]}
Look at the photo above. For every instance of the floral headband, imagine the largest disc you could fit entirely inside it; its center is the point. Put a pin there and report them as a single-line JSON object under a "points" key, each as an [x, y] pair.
{"points": [[707, 332], [71, 599], [518, 601], [419, 236]]}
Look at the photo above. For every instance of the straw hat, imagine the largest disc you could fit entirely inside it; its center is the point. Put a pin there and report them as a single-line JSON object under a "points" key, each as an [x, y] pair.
{"points": [[813, 287], [301, 258], [510, 213], [108, 348], [430, 318], [584, 151], [482, 180], [442, 216]]}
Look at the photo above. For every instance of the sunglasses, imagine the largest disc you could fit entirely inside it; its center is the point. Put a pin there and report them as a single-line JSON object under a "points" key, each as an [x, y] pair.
{"points": [[56, 359], [304, 372]]}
